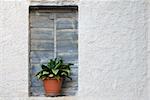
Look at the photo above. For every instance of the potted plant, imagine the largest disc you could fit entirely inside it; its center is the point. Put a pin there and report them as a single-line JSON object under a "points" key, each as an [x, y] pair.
{"points": [[53, 74]]}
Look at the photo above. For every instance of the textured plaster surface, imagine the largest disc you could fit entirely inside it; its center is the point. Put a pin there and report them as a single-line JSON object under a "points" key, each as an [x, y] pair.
{"points": [[13, 49], [148, 49], [54, 2], [113, 40], [113, 55]]}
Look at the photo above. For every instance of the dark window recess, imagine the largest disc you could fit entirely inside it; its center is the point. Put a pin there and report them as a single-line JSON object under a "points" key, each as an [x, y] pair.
{"points": [[53, 32]]}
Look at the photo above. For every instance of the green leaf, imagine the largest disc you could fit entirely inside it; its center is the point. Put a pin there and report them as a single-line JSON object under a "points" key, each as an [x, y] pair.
{"points": [[58, 65], [44, 67], [43, 77], [56, 60], [70, 64], [57, 77], [45, 73], [55, 71], [64, 74], [66, 70], [38, 76], [69, 77], [55, 68], [50, 64], [38, 73]]}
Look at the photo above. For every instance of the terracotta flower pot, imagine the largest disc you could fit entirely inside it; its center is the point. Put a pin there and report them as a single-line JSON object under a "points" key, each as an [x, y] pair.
{"points": [[52, 86]]}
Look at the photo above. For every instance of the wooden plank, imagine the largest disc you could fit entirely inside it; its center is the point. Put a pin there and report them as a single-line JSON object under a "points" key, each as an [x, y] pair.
{"points": [[69, 93], [66, 15], [37, 91], [74, 78], [42, 45], [67, 46], [74, 71], [37, 13], [70, 84], [41, 22], [35, 68], [56, 11], [68, 57], [68, 30], [40, 56], [67, 35], [36, 82], [42, 33], [75, 24], [65, 23], [55, 40], [69, 90], [49, 9]]}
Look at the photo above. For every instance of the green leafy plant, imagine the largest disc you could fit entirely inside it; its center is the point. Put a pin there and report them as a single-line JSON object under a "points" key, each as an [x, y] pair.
{"points": [[55, 68]]}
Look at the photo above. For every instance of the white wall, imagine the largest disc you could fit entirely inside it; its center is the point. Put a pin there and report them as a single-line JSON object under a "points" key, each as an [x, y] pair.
{"points": [[148, 48], [112, 50], [113, 55], [13, 49]]}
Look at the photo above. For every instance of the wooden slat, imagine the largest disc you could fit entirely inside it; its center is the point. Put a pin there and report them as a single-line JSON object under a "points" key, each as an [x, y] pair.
{"points": [[42, 45], [69, 91], [41, 22], [54, 8], [37, 91], [66, 46], [42, 33], [36, 82], [67, 35], [68, 57], [37, 13], [66, 15], [65, 23], [40, 56]]}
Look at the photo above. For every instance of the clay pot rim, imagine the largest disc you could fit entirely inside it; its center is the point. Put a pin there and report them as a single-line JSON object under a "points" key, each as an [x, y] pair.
{"points": [[54, 78]]}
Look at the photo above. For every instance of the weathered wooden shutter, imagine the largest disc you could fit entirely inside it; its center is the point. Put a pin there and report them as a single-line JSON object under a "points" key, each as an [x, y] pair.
{"points": [[53, 32]]}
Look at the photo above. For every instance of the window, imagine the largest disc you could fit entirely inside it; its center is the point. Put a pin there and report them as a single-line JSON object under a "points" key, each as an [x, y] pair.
{"points": [[53, 32]]}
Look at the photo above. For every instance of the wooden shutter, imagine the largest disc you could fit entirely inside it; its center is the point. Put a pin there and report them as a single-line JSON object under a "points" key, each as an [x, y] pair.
{"points": [[53, 32]]}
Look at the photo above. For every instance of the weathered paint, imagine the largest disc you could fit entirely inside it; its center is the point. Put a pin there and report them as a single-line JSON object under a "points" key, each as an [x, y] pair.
{"points": [[53, 32]]}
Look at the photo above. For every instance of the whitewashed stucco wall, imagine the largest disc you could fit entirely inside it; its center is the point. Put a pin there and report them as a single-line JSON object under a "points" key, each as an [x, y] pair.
{"points": [[13, 49], [148, 49], [113, 42], [114, 34]]}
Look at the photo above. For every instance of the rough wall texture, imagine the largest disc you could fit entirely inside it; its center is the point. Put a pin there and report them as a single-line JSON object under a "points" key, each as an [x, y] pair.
{"points": [[148, 48], [112, 64], [13, 49], [54, 2], [115, 56]]}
